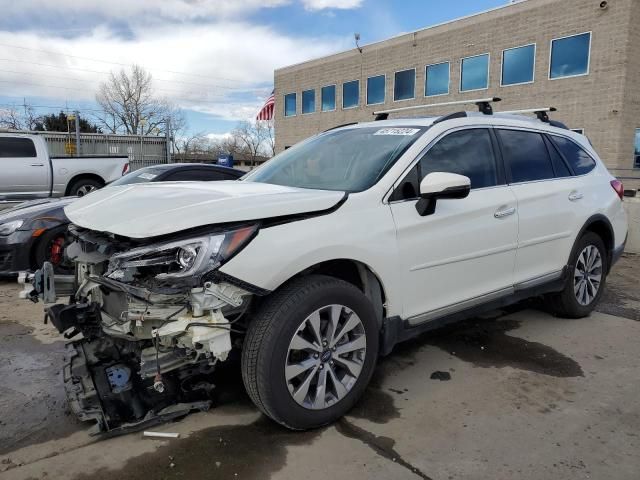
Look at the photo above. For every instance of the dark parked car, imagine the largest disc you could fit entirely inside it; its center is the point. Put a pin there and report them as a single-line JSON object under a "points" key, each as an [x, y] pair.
{"points": [[34, 232]]}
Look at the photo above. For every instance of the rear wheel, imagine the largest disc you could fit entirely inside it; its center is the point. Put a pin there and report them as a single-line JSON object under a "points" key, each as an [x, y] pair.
{"points": [[84, 186], [310, 353], [589, 267]]}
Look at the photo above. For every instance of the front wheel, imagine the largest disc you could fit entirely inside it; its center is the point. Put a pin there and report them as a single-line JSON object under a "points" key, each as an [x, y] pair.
{"points": [[311, 351], [589, 267]]}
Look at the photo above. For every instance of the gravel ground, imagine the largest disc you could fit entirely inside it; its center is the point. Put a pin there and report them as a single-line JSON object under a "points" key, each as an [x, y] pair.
{"points": [[516, 394]]}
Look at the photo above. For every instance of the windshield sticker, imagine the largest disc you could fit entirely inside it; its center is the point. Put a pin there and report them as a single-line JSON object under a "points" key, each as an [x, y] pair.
{"points": [[147, 176], [397, 131]]}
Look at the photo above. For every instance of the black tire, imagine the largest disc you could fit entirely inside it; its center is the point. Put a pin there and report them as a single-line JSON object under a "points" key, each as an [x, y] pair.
{"points": [[42, 250], [565, 303], [266, 346], [79, 187]]}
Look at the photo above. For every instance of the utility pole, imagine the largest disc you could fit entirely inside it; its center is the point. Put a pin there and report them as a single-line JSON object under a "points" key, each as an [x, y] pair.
{"points": [[77, 113], [167, 136]]}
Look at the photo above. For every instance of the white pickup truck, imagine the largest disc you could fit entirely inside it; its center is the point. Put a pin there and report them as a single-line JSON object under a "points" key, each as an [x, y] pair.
{"points": [[29, 172]]}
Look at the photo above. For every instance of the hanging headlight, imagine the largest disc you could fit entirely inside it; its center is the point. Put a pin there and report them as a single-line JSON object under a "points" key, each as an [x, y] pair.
{"points": [[190, 257]]}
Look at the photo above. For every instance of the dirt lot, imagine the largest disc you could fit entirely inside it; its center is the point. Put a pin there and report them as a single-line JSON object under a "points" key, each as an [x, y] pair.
{"points": [[511, 395]]}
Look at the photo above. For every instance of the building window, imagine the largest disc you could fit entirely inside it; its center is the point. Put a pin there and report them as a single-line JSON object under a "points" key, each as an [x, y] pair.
{"points": [[474, 73], [308, 101], [290, 105], [636, 158], [375, 89], [350, 94], [518, 65], [404, 85], [570, 56], [436, 79], [328, 98]]}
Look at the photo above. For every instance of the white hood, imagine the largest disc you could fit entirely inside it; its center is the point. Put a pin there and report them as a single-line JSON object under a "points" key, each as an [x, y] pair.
{"points": [[152, 209]]}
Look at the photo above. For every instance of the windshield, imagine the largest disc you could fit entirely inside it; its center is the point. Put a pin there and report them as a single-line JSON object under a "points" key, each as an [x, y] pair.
{"points": [[143, 175], [350, 160]]}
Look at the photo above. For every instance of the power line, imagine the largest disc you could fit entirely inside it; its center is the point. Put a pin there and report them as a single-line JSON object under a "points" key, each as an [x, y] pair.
{"points": [[102, 72], [49, 52]]}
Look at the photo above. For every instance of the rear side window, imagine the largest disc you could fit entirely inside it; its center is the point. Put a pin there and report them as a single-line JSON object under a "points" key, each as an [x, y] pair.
{"points": [[579, 160], [526, 155], [17, 148], [559, 164]]}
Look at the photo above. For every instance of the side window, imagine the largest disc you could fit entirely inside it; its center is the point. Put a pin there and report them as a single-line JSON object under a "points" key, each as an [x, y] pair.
{"points": [[525, 155], [17, 148], [579, 160], [559, 164], [465, 152]]}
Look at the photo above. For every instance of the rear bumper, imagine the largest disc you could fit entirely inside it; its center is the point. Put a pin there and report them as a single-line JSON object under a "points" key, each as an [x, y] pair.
{"points": [[617, 252]]}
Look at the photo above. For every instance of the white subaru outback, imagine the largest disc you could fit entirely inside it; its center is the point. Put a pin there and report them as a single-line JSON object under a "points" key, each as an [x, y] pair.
{"points": [[310, 267]]}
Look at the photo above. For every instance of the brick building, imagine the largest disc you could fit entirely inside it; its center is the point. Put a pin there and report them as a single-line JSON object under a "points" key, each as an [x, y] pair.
{"points": [[580, 56]]}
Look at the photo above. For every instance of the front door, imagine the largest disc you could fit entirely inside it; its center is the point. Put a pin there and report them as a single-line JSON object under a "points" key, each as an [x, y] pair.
{"points": [[464, 253], [24, 174]]}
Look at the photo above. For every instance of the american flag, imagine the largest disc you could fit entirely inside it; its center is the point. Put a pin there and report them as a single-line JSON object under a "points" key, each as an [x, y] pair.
{"points": [[266, 112]]}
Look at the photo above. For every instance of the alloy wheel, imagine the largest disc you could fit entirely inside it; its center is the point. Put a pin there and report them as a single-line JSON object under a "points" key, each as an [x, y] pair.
{"points": [[587, 275], [325, 357], [85, 190]]}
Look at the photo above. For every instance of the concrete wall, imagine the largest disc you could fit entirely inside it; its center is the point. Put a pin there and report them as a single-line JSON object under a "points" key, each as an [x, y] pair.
{"points": [[604, 103]]}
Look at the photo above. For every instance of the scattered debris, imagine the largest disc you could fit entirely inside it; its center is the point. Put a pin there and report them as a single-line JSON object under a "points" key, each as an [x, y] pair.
{"points": [[160, 434], [442, 376]]}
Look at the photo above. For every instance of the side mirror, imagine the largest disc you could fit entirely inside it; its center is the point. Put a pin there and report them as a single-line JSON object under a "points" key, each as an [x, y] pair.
{"points": [[441, 185]]}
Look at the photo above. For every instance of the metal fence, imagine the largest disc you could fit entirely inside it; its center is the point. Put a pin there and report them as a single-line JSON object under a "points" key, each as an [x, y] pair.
{"points": [[141, 150]]}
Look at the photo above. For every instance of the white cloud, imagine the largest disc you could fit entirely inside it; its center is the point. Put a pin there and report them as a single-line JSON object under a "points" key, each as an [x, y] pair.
{"points": [[338, 4], [229, 65]]}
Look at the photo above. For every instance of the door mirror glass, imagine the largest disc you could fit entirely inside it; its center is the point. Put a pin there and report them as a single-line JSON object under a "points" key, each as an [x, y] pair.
{"points": [[441, 185]]}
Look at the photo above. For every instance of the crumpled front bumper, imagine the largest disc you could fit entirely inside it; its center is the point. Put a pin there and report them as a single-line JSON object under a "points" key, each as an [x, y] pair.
{"points": [[15, 253]]}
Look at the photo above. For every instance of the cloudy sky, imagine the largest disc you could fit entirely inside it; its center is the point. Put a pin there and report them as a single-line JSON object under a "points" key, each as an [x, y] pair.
{"points": [[214, 58]]}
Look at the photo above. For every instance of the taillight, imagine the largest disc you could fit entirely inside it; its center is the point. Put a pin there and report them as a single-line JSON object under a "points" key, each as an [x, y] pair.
{"points": [[618, 187], [125, 169]]}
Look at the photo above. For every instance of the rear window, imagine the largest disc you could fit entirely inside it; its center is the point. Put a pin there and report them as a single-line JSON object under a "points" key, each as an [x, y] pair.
{"points": [[526, 155], [17, 148], [577, 158]]}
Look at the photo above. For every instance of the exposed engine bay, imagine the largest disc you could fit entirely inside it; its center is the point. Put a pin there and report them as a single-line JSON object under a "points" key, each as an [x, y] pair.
{"points": [[150, 321]]}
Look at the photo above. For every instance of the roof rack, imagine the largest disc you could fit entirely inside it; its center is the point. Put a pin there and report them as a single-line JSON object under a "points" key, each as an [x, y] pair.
{"points": [[483, 104], [542, 113]]}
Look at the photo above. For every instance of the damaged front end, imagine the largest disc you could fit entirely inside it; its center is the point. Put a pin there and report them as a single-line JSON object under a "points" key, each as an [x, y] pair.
{"points": [[149, 322]]}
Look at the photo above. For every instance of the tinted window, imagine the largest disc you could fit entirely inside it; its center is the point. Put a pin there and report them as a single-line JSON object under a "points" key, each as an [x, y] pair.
{"points": [[526, 155], [328, 98], [203, 175], [570, 56], [17, 148], [579, 160], [517, 65], [404, 87], [436, 80], [143, 175], [475, 73], [559, 164], [636, 162], [466, 152], [308, 101], [350, 94], [375, 89], [290, 105]]}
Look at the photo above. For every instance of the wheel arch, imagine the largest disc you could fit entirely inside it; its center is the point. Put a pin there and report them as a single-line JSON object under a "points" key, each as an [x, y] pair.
{"points": [[83, 176], [356, 273], [601, 226]]}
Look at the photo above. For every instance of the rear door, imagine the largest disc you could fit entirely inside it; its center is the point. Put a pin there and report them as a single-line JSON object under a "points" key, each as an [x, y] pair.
{"points": [[24, 173], [546, 194], [464, 253]]}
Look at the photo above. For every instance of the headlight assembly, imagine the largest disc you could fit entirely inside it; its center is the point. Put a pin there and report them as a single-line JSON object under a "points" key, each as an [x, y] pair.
{"points": [[10, 227], [180, 259]]}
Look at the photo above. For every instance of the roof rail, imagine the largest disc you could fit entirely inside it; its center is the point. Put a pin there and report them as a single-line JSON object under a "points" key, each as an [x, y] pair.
{"points": [[542, 113], [483, 104], [340, 126]]}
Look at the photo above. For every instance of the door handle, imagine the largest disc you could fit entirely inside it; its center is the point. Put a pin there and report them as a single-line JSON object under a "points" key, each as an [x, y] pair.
{"points": [[37, 164], [574, 196], [504, 212]]}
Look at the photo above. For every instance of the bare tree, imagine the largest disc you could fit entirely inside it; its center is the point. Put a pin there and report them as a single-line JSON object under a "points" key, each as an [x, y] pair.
{"points": [[252, 138], [130, 105], [24, 118], [269, 139]]}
